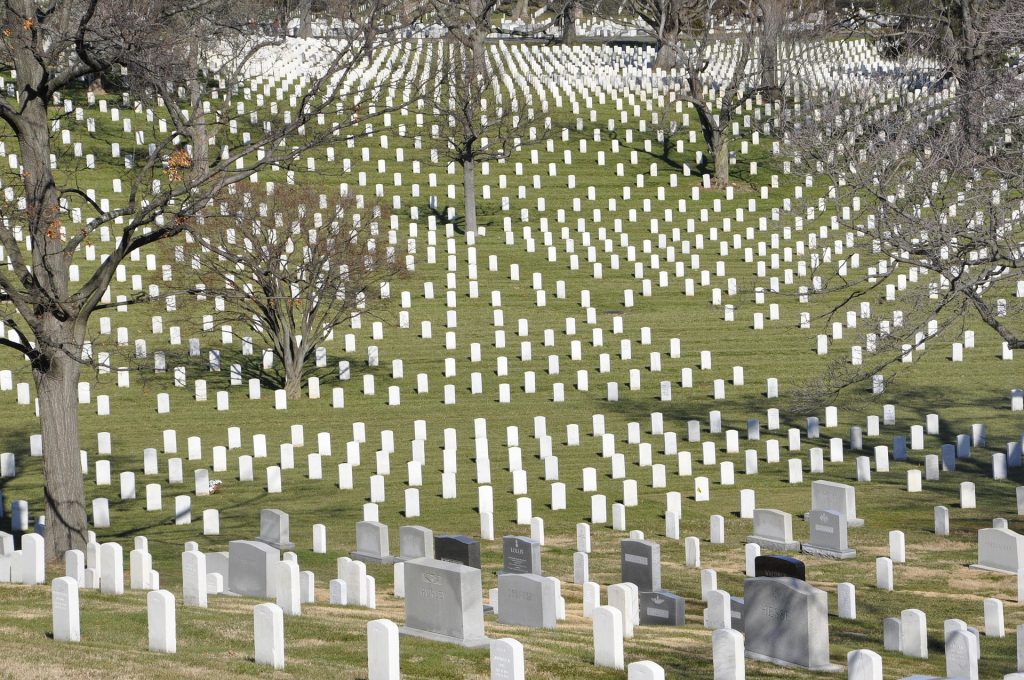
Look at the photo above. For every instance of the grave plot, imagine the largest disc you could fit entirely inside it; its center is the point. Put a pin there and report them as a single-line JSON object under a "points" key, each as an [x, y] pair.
{"points": [[591, 395]]}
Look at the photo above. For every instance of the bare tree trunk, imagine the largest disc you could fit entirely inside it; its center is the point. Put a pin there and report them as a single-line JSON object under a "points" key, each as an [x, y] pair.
{"points": [[200, 137], [293, 369], [568, 20], [305, 19], [469, 191], [56, 379], [55, 360], [773, 21], [665, 58], [721, 149], [522, 7]]}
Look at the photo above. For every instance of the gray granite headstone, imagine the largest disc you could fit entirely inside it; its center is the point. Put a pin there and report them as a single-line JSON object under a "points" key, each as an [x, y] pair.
{"points": [[251, 568], [527, 600], [786, 622], [520, 555], [444, 602], [662, 608], [372, 543], [828, 535], [218, 563], [773, 530], [841, 498], [1000, 550], [736, 608], [274, 529], [415, 541], [641, 564]]}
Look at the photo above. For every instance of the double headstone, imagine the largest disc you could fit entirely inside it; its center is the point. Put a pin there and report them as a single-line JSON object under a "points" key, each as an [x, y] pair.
{"points": [[1000, 550], [786, 621], [527, 600], [444, 602]]}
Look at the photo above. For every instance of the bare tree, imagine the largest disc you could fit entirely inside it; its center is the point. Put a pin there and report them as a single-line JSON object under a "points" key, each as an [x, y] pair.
{"points": [[712, 47], [932, 200], [171, 52], [966, 40], [566, 14], [477, 114], [293, 266]]}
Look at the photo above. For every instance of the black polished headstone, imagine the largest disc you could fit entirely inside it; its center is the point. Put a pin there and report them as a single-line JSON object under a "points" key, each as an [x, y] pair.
{"points": [[458, 549], [662, 608], [779, 566]]}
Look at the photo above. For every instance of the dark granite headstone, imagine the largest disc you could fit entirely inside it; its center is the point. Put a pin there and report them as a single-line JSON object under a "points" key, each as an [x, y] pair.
{"points": [[737, 607], [662, 608], [641, 564], [459, 549], [779, 566], [520, 555]]}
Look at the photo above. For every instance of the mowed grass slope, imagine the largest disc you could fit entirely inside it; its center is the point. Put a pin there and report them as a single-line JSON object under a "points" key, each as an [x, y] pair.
{"points": [[330, 641]]}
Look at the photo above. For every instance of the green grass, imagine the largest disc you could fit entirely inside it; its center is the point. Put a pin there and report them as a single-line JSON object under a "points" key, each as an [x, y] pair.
{"points": [[331, 641]]}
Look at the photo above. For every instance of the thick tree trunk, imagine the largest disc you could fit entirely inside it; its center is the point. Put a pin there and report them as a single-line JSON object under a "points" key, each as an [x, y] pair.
{"points": [[305, 19], [769, 66], [55, 323], [665, 58], [294, 361], [469, 191], [56, 377], [568, 20], [721, 149], [293, 378], [522, 7]]}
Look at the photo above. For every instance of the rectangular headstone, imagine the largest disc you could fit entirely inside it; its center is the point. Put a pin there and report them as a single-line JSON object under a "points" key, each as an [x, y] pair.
{"points": [[372, 543], [251, 568], [773, 530], [779, 566], [527, 600], [415, 541], [841, 498], [444, 602], [274, 529], [786, 621], [828, 535], [520, 555], [641, 564], [459, 549], [1000, 550], [662, 608]]}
